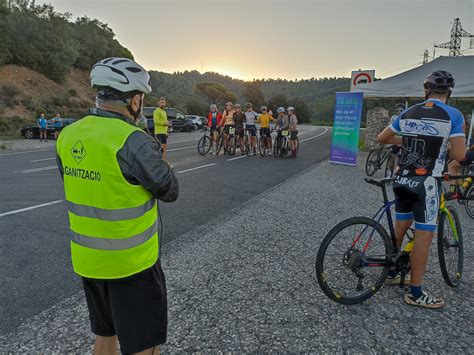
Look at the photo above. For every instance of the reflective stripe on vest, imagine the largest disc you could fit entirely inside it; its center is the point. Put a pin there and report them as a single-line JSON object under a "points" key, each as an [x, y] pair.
{"points": [[113, 223], [114, 244], [110, 215]]}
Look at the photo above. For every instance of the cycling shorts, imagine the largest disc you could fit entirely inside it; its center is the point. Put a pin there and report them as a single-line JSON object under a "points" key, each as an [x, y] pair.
{"points": [[252, 130], [227, 127], [293, 135], [418, 198], [265, 132], [239, 131]]}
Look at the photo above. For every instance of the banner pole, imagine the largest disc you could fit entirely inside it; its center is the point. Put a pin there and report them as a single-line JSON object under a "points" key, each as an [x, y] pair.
{"points": [[469, 136]]}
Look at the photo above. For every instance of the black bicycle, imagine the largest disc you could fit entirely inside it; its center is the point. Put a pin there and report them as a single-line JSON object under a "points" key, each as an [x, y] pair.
{"points": [[376, 159], [355, 257], [204, 144]]}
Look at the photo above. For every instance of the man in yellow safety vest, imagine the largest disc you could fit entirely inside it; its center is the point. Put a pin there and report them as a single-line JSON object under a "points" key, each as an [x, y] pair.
{"points": [[113, 175]]}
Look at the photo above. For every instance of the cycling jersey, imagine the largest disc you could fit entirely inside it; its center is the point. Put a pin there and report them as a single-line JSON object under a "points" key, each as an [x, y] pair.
{"points": [[264, 120], [239, 119], [228, 117], [214, 119], [425, 129], [250, 117]]}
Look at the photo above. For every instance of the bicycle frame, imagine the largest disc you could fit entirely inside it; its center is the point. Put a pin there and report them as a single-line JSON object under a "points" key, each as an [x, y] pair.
{"points": [[386, 210]]}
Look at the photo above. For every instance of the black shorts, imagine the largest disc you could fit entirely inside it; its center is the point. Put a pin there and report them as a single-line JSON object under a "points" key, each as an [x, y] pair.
{"points": [[133, 308], [293, 135], [43, 130], [162, 138], [227, 127], [239, 131], [252, 130], [418, 198], [57, 129], [265, 132]]}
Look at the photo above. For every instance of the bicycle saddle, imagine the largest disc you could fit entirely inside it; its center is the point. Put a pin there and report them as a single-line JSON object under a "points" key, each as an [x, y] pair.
{"points": [[379, 182]]}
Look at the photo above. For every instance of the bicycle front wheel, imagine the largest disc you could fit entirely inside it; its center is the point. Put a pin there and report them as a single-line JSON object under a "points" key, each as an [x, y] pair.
{"points": [[450, 247], [469, 201], [231, 145], [353, 260], [204, 145], [371, 163]]}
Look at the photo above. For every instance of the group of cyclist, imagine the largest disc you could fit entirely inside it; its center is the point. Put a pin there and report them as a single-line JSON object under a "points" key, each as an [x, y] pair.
{"points": [[426, 134], [234, 119]]}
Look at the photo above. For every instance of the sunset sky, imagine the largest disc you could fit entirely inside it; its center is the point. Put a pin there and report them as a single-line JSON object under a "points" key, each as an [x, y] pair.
{"points": [[278, 38]]}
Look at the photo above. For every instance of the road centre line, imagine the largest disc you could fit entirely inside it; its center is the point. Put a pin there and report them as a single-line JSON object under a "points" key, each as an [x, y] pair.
{"points": [[25, 152], [30, 208], [243, 156], [37, 160], [182, 148], [196, 168], [28, 171]]}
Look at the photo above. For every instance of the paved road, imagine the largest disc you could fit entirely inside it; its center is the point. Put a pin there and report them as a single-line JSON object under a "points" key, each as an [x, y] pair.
{"points": [[248, 284], [35, 262]]}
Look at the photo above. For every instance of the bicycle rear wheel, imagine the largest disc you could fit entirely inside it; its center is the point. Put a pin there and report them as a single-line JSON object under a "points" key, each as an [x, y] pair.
{"points": [[204, 145], [469, 201], [340, 268], [450, 248], [371, 163]]}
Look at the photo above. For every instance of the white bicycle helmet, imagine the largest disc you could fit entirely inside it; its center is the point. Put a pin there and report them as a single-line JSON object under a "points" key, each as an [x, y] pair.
{"points": [[291, 108], [121, 74], [213, 106], [280, 109], [263, 108]]}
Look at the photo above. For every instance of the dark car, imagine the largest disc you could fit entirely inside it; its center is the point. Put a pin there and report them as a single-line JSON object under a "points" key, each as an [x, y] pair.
{"points": [[177, 119], [198, 121], [31, 132]]}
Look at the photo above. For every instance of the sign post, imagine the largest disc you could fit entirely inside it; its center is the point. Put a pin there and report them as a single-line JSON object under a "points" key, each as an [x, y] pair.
{"points": [[345, 132]]}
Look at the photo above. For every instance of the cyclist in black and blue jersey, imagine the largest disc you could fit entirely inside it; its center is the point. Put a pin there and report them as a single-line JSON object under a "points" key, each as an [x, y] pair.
{"points": [[423, 131]]}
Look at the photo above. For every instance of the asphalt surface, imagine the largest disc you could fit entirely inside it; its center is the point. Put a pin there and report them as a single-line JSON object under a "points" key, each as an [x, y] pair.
{"points": [[34, 248], [248, 284]]}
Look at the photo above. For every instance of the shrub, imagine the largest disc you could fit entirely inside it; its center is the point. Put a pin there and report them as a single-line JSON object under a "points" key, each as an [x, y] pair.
{"points": [[10, 91], [73, 92]]}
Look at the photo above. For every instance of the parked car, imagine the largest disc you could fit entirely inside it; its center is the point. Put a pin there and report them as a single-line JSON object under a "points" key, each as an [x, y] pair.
{"points": [[198, 121], [178, 120], [32, 131]]}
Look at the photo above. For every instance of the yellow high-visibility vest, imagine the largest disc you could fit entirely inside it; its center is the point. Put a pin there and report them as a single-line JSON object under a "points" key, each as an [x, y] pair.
{"points": [[114, 230]]}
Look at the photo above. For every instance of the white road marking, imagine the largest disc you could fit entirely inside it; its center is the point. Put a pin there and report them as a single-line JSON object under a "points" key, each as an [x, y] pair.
{"points": [[196, 168], [37, 160], [25, 152], [182, 148], [243, 156], [316, 136], [28, 171], [30, 208]]}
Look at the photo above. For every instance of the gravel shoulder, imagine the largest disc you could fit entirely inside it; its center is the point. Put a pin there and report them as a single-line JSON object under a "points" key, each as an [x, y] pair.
{"points": [[246, 283], [8, 145]]}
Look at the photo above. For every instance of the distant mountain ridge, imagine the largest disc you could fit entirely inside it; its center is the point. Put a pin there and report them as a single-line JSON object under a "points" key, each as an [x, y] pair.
{"points": [[179, 88]]}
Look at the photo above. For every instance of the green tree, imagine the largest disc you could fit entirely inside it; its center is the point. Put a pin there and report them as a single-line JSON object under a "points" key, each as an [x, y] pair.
{"points": [[215, 93], [196, 107], [279, 100], [253, 93]]}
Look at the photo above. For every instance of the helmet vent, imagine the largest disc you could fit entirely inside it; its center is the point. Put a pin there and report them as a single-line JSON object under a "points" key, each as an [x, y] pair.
{"points": [[120, 61], [133, 69]]}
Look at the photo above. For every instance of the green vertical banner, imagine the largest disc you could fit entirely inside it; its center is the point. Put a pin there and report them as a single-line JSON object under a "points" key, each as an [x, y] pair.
{"points": [[345, 132]]}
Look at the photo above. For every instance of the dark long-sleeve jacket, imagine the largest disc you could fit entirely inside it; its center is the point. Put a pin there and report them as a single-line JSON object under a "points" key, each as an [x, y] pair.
{"points": [[141, 163]]}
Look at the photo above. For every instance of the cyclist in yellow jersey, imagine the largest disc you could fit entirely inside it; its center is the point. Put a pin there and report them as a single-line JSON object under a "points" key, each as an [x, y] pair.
{"points": [[264, 120], [228, 118]]}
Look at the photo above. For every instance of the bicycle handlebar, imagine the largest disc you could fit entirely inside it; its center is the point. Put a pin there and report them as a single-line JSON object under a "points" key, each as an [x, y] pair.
{"points": [[448, 177]]}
